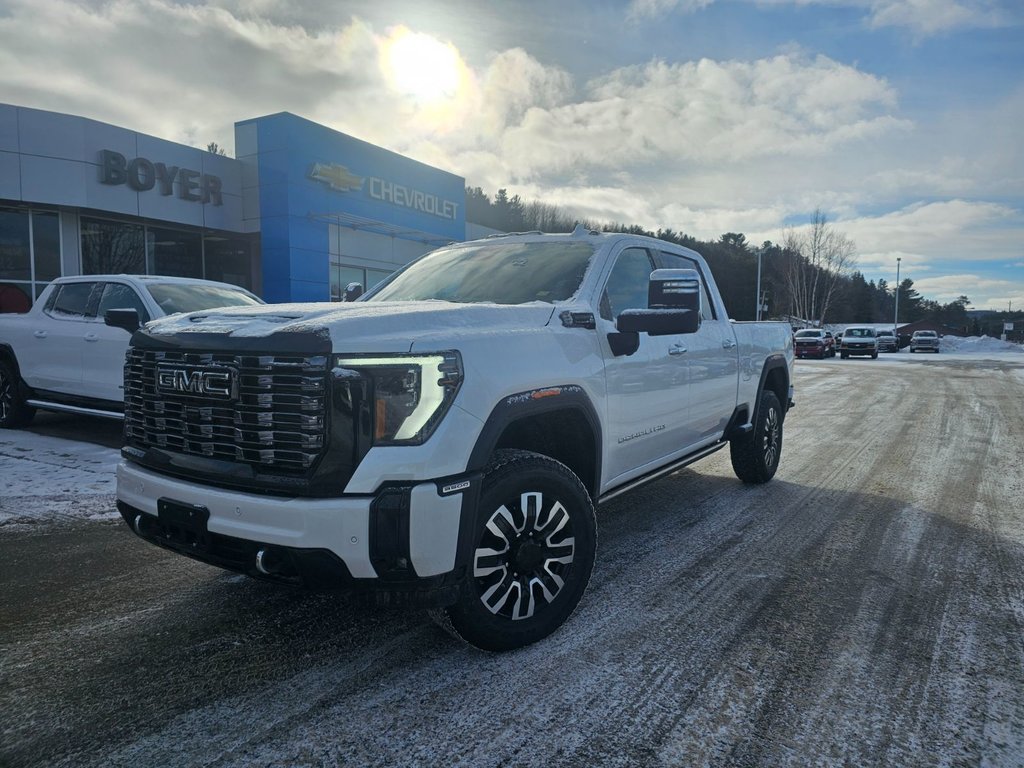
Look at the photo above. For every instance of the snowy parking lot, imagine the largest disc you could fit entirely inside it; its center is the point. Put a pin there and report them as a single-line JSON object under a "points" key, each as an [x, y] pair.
{"points": [[866, 607]]}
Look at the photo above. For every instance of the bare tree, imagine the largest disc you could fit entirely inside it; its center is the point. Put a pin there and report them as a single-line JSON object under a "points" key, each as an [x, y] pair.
{"points": [[821, 256]]}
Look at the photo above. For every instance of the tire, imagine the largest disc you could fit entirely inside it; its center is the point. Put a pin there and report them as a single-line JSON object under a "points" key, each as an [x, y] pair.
{"points": [[14, 413], [533, 546], [755, 456], [844, 355], [874, 355]]}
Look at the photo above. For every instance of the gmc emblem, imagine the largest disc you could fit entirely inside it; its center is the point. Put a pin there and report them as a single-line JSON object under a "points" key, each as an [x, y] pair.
{"points": [[217, 382]]}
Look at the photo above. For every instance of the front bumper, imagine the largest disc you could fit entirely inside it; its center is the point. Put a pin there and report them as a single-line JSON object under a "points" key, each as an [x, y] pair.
{"points": [[859, 350], [401, 543]]}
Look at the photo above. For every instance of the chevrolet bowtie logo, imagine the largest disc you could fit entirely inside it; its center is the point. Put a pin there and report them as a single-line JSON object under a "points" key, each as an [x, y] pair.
{"points": [[335, 176]]}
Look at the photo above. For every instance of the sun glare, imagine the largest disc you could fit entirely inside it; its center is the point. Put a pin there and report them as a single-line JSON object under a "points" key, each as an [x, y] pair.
{"points": [[422, 66]]}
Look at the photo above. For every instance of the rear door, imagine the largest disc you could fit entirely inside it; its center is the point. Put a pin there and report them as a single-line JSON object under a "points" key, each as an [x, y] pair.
{"points": [[51, 359]]}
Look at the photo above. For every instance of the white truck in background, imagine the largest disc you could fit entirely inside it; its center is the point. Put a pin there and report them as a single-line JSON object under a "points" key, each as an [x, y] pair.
{"points": [[443, 441], [62, 356]]}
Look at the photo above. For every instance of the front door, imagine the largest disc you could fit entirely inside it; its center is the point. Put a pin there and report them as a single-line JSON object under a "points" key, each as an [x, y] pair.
{"points": [[647, 391]]}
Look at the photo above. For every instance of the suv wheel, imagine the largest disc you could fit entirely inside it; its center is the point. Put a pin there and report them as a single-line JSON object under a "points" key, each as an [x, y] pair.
{"points": [[14, 412], [533, 547], [755, 455]]}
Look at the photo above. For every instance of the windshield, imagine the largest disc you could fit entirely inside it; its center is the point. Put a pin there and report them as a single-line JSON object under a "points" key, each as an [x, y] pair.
{"points": [[809, 334], [501, 273], [184, 297], [859, 333], [925, 334], [885, 333]]}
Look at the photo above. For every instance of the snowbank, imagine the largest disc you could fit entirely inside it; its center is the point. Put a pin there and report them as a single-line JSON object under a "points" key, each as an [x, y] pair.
{"points": [[976, 345]]}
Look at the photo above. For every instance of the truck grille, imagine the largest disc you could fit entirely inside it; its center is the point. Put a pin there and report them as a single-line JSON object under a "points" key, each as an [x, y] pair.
{"points": [[267, 411]]}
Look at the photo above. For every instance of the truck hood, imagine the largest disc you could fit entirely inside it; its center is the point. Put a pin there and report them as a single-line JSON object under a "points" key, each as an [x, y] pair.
{"points": [[360, 326]]}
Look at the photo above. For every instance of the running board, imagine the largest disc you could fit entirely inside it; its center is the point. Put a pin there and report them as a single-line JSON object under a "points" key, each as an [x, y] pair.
{"points": [[668, 469], [48, 406]]}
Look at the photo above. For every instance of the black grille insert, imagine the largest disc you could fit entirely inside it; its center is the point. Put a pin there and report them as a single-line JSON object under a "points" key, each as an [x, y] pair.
{"points": [[274, 419]]}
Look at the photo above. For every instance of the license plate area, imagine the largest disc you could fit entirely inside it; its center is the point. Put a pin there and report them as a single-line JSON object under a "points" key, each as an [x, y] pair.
{"points": [[184, 524]]}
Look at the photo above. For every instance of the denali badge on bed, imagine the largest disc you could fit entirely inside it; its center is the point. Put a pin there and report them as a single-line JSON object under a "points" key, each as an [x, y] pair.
{"points": [[218, 382]]}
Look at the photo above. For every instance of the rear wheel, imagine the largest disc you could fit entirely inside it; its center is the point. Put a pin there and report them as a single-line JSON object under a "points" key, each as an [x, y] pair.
{"points": [[14, 412], [534, 541], [755, 455]]}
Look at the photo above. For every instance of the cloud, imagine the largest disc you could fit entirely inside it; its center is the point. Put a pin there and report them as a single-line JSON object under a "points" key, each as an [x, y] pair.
{"points": [[706, 112], [930, 17], [923, 18], [639, 9]]}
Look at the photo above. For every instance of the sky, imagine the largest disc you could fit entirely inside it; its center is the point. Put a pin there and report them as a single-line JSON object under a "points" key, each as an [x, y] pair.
{"points": [[901, 120]]}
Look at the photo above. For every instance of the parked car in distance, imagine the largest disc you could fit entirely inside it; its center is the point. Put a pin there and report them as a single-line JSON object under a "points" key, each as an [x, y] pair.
{"points": [[859, 340], [924, 341], [62, 355], [887, 341], [814, 342]]}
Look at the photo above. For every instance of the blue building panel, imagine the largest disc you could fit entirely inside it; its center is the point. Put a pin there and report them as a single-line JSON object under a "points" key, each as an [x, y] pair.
{"points": [[310, 176]]}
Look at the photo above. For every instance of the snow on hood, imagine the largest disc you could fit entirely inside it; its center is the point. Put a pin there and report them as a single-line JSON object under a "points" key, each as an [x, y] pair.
{"points": [[359, 322]]}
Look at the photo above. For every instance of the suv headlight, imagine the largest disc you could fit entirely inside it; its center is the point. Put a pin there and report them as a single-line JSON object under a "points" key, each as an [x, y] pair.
{"points": [[410, 393]]}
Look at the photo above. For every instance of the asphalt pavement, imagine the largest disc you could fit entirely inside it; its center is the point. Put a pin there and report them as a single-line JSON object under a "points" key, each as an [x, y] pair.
{"points": [[865, 608]]}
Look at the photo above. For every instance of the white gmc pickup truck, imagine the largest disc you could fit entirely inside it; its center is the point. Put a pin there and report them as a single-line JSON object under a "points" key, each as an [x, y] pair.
{"points": [[443, 440]]}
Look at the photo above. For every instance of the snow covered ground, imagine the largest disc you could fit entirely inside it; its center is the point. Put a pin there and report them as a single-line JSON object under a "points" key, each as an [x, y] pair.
{"points": [[49, 479]]}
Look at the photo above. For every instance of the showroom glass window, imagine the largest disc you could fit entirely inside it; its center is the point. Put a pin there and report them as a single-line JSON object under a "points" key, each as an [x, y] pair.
{"points": [[112, 247], [228, 259], [29, 256], [174, 253]]}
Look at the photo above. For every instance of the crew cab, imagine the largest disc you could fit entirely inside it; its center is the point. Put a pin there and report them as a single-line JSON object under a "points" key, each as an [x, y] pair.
{"points": [[62, 356], [924, 341], [859, 340], [814, 342], [443, 440]]}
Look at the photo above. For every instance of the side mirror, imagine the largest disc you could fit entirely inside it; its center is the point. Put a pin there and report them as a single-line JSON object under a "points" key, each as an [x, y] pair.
{"points": [[353, 291], [122, 318], [673, 305]]}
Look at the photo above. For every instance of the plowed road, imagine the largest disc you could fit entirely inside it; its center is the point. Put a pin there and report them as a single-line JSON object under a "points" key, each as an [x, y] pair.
{"points": [[864, 608]]}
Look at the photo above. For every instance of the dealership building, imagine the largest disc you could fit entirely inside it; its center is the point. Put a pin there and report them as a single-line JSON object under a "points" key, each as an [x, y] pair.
{"points": [[300, 213]]}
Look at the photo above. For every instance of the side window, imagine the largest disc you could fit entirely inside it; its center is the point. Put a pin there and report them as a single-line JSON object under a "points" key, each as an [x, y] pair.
{"points": [[627, 286], [675, 261], [120, 296], [71, 300]]}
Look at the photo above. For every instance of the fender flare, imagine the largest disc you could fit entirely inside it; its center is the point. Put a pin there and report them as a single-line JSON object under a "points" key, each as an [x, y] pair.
{"points": [[772, 362], [536, 402]]}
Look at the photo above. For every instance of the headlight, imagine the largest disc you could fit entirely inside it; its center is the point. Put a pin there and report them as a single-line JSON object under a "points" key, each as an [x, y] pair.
{"points": [[410, 393]]}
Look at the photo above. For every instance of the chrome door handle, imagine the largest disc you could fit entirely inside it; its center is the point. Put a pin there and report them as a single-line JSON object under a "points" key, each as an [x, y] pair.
{"points": [[728, 344], [40, 334], [676, 349]]}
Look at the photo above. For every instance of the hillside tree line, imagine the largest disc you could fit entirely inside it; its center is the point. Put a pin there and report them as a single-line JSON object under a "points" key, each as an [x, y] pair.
{"points": [[810, 277]]}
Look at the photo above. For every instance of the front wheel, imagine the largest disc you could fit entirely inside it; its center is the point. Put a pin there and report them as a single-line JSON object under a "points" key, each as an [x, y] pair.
{"points": [[534, 541], [874, 355], [755, 455], [844, 356], [14, 412]]}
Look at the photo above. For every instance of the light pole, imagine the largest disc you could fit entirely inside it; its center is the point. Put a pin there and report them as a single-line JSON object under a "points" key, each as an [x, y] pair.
{"points": [[757, 298], [896, 317]]}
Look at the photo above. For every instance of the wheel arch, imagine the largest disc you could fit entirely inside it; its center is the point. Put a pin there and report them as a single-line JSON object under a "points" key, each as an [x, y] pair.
{"points": [[774, 376], [559, 422]]}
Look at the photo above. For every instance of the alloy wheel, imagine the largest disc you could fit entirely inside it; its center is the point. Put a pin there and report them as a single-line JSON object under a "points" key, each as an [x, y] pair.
{"points": [[523, 556], [771, 437]]}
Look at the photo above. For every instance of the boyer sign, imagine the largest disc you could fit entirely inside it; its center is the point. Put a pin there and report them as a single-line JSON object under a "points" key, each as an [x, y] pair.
{"points": [[142, 175]]}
